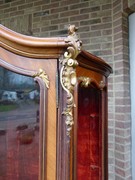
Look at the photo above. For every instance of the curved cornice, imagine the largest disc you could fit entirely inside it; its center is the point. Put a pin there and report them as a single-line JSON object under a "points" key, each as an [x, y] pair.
{"points": [[31, 46], [90, 61], [50, 48]]}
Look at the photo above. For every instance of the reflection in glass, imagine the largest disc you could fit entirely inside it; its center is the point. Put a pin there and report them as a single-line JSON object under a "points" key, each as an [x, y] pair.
{"points": [[19, 127], [89, 135]]}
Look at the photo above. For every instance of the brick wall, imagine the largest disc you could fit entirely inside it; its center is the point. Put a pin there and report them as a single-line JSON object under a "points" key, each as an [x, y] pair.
{"points": [[103, 28], [121, 92]]}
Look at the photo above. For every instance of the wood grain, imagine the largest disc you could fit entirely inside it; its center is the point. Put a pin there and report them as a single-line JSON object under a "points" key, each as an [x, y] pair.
{"points": [[31, 46]]}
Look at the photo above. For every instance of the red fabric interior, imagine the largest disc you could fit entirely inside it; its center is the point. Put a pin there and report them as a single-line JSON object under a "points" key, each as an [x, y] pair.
{"points": [[89, 149]]}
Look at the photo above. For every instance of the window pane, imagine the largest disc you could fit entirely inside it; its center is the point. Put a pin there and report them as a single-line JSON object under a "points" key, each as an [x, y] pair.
{"points": [[19, 127]]}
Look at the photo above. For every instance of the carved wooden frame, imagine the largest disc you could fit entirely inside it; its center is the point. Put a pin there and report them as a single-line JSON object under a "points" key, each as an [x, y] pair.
{"points": [[41, 78]]}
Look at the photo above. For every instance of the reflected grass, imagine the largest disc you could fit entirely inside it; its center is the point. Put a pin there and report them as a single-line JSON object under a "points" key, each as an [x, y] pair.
{"points": [[10, 107]]}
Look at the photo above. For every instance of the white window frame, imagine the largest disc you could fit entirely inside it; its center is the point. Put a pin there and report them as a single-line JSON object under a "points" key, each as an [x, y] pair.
{"points": [[132, 84]]}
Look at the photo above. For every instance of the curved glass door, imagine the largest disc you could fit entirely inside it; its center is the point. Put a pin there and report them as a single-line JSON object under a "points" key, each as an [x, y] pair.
{"points": [[89, 134], [19, 127]]}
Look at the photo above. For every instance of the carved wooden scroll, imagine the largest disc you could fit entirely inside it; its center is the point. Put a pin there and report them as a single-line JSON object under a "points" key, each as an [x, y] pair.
{"points": [[68, 73]]}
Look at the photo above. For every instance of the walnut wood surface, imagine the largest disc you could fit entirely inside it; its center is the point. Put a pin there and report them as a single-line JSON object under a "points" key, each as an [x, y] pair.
{"points": [[29, 66], [26, 55], [90, 61], [31, 46]]}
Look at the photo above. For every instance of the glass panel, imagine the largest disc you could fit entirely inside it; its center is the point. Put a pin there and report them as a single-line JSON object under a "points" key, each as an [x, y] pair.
{"points": [[89, 134], [19, 127]]}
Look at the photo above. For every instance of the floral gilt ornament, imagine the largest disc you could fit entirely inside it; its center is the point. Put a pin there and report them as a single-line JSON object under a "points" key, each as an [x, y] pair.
{"points": [[68, 77]]}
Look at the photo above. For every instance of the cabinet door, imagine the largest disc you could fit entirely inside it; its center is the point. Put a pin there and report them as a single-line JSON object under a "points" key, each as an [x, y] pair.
{"points": [[27, 117]]}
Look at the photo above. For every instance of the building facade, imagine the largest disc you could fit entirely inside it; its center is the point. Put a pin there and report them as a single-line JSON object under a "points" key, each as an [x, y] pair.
{"points": [[103, 29]]}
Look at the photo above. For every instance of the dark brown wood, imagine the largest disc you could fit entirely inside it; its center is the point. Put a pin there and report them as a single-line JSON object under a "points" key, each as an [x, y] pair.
{"points": [[29, 66], [90, 61], [47, 111], [27, 55], [63, 144], [31, 46], [43, 129]]}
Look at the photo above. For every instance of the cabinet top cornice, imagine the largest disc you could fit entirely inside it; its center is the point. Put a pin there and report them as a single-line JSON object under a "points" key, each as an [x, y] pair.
{"points": [[52, 47], [31, 46], [90, 61]]}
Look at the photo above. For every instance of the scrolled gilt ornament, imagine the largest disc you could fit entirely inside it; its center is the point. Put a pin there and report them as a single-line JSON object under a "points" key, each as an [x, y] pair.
{"points": [[102, 85], [68, 74], [68, 80], [85, 81], [73, 41], [42, 74]]}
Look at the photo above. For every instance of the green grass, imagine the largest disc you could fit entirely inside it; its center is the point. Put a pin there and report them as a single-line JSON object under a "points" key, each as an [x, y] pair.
{"points": [[10, 107]]}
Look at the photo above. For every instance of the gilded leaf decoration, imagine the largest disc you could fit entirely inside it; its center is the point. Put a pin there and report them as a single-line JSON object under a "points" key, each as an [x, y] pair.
{"points": [[68, 74], [42, 74]]}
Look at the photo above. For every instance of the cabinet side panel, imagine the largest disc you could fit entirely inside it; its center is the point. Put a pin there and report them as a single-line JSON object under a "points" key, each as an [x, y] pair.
{"points": [[94, 162], [89, 134]]}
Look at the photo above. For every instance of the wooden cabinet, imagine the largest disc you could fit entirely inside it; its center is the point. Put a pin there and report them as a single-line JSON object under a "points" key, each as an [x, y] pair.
{"points": [[54, 121], [91, 122]]}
